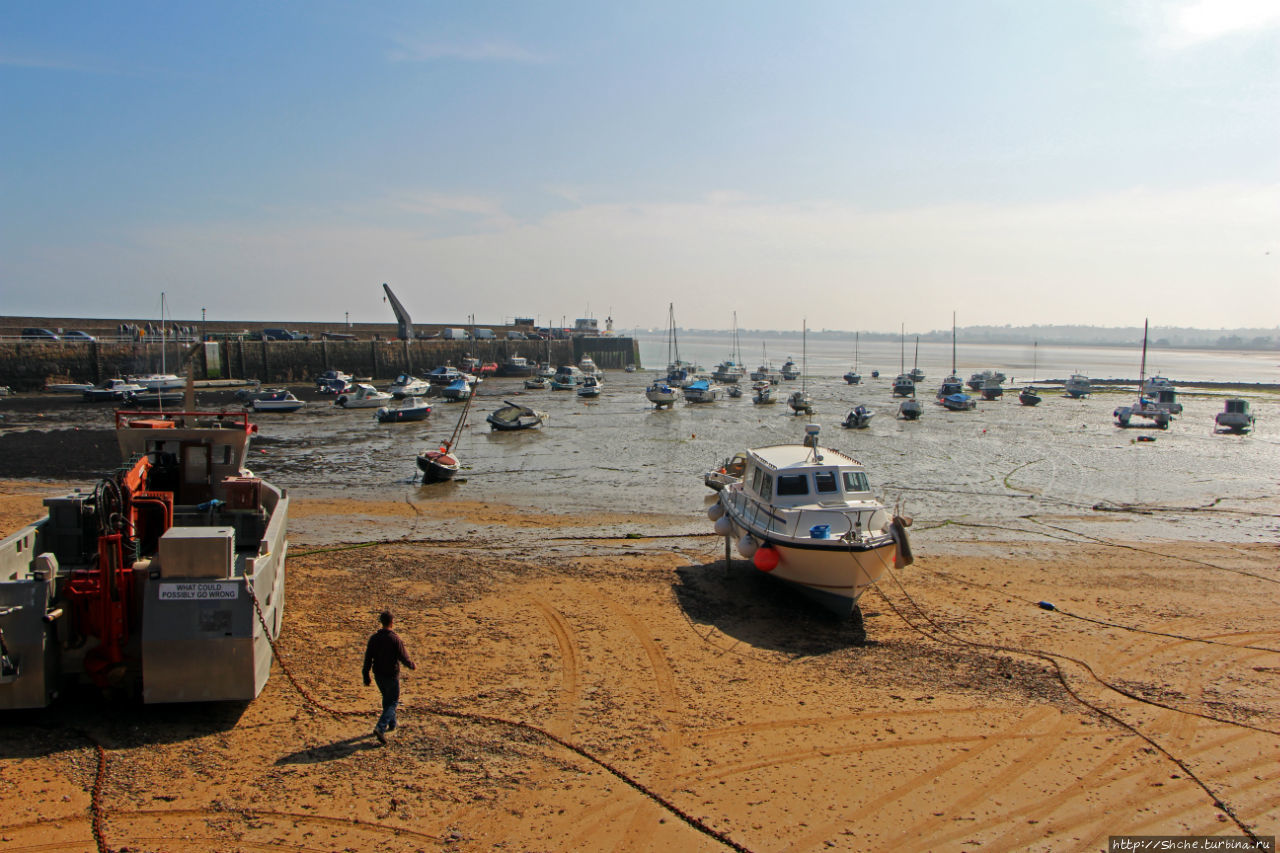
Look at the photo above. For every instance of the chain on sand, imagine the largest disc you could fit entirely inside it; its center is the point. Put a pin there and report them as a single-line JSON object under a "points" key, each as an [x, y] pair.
{"points": [[486, 719]]}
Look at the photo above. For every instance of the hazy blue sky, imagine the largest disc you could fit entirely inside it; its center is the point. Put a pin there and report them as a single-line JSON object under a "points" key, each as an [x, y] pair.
{"points": [[861, 164]]}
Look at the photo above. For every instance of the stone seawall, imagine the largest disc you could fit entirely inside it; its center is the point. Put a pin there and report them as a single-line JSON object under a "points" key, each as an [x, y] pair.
{"points": [[29, 365]]}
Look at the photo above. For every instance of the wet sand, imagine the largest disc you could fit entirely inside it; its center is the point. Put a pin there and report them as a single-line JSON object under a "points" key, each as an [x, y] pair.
{"points": [[733, 704]]}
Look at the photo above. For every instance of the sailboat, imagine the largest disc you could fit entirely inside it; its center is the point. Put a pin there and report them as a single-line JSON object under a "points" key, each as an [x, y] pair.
{"points": [[903, 386], [951, 394], [662, 392], [731, 370], [678, 372], [799, 400], [916, 374], [853, 377], [765, 372], [441, 464], [1030, 396], [1143, 408]]}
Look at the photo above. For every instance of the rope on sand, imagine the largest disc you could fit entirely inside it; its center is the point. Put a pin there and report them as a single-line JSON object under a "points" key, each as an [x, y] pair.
{"points": [[1053, 660]]}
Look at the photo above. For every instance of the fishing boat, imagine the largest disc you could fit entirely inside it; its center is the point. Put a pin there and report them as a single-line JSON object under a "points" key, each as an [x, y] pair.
{"points": [[516, 365], [441, 464], [789, 370], [977, 380], [410, 409], [958, 402], [446, 374], [735, 391], [911, 409], [331, 375], [729, 471], [111, 389], [764, 393], [991, 388], [1235, 416], [1144, 407], [859, 417], [276, 400], [701, 391], [805, 514], [1078, 386], [407, 385], [588, 366], [660, 393], [513, 416], [853, 377], [903, 386], [363, 396], [1155, 384], [457, 390], [535, 383], [164, 582], [563, 382], [590, 387]]}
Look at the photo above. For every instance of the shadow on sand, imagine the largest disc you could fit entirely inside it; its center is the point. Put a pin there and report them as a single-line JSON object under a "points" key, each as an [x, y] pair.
{"points": [[749, 606], [82, 716], [330, 751]]}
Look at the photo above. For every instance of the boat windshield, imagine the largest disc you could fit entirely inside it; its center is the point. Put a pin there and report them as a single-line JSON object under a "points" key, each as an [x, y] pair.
{"points": [[856, 481], [793, 484]]}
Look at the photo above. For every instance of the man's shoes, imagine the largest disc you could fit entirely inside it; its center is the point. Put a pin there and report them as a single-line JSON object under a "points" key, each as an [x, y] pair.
{"points": [[380, 736]]}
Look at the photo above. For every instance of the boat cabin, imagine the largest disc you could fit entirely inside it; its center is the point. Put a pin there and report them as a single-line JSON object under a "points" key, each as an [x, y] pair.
{"points": [[789, 475]]}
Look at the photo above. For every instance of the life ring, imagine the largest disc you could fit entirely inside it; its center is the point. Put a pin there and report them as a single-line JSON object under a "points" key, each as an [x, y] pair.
{"points": [[898, 529]]}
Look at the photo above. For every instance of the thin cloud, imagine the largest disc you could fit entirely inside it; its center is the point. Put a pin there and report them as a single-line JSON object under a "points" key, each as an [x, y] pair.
{"points": [[51, 63], [493, 50], [1195, 22]]}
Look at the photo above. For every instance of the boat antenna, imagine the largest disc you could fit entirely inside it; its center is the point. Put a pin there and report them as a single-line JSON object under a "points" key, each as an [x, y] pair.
{"points": [[1142, 370]]}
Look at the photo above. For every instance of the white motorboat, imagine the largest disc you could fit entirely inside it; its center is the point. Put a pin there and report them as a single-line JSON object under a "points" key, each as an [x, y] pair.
{"points": [[447, 374], [701, 391], [536, 383], [1155, 384], [806, 515], [111, 389], [977, 380], [789, 370], [958, 402], [327, 377], [1078, 386], [903, 385], [800, 402], [1235, 416], [278, 400], [516, 365], [545, 370], [68, 387], [513, 416], [728, 371], [159, 381], [410, 409], [730, 471], [859, 417], [363, 396], [458, 389], [661, 394], [590, 387], [407, 385], [588, 366]]}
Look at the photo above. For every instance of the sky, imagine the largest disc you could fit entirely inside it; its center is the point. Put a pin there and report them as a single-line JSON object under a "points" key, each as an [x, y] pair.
{"points": [[852, 165]]}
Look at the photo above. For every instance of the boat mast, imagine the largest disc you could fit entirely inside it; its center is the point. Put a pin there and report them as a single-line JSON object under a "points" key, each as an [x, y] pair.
{"points": [[902, 349], [462, 419], [1142, 371], [855, 352], [915, 360], [953, 343], [804, 353]]}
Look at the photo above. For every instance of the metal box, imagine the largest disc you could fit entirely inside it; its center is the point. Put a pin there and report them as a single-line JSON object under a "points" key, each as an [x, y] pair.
{"points": [[243, 492], [197, 552]]}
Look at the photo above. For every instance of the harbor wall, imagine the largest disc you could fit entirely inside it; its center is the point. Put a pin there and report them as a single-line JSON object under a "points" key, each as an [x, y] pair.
{"points": [[29, 365]]}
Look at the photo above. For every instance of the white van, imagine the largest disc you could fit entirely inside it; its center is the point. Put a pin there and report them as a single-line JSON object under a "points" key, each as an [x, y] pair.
{"points": [[485, 335]]}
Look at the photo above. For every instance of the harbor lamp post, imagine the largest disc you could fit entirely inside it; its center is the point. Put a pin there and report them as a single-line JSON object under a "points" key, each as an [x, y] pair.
{"points": [[202, 328]]}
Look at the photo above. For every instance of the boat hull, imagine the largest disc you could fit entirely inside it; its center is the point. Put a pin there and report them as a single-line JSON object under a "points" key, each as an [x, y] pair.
{"points": [[437, 466]]}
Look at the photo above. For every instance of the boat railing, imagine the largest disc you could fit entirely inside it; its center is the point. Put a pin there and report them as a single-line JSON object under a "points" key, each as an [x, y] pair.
{"points": [[797, 524]]}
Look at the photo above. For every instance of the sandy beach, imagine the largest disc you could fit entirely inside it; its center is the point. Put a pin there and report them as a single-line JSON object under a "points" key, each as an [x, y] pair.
{"points": [[730, 712]]}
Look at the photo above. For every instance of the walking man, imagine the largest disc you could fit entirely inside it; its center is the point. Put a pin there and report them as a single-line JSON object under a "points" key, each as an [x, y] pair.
{"points": [[384, 654]]}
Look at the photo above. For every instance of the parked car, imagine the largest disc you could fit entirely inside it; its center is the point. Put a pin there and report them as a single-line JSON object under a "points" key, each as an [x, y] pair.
{"points": [[278, 335], [38, 335], [77, 335]]}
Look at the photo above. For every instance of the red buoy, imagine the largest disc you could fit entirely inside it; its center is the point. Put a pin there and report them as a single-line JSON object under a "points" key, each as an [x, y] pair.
{"points": [[766, 559]]}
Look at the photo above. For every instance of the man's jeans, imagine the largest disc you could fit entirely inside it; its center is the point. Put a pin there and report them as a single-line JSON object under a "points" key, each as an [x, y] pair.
{"points": [[390, 689]]}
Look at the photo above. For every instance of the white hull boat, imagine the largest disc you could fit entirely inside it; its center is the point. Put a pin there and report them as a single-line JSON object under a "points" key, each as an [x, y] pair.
{"points": [[276, 401], [660, 394], [805, 514], [363, 396], [406, 385], [858, 418], [1235, 416], [1078, 386], [513, 416], [701, 391]]}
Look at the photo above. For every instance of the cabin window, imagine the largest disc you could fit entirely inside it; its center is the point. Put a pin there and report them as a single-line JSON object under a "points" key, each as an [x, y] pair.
{"points": [[755, 480], [825, 481], [793, 484], [766, 486], [856, 481]]}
